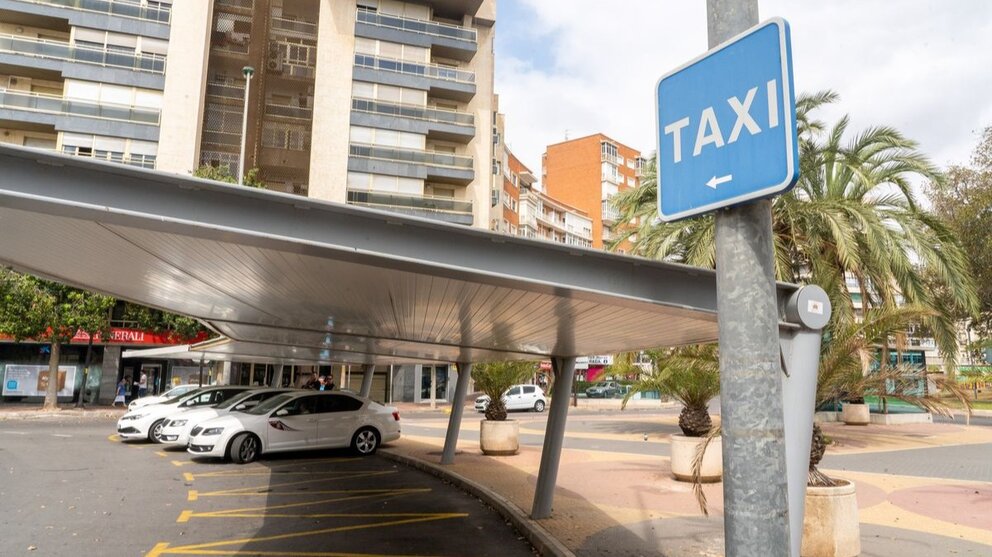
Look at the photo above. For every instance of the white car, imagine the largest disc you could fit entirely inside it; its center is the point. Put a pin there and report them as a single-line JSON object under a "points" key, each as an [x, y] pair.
{"points": [[176, 430], [518, 397], [297, 421], [170, 394], [146, 422]]}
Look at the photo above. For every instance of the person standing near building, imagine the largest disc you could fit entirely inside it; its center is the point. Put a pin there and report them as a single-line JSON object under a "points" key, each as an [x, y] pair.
{"points": [[143, 384], [121, 393]]}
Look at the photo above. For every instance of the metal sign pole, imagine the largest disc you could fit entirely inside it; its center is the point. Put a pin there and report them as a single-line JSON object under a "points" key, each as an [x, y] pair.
{"points": [[756, 520]]}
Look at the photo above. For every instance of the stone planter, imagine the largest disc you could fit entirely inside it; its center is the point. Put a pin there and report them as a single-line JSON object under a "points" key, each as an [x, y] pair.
{"points": [[830, 525], [855, 414], [684, 451], [499, 438]]}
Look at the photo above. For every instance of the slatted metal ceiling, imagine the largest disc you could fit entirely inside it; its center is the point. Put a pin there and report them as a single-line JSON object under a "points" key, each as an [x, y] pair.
{"points": [[180, 244]]}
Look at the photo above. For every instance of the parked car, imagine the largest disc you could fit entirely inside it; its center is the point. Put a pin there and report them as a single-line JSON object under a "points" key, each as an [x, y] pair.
{"points": [[296, 421], [518, 397], [147, 422], [603, 389], [170, 394], [176, 430]]}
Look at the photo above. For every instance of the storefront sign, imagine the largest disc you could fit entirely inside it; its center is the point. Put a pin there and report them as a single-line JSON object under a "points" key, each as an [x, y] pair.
{"points": [[22, 380], [130, 337]]}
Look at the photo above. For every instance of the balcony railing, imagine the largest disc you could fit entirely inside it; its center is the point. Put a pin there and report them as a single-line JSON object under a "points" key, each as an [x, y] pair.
{"points": [[423, 203], [123, 8], [429, 158], [240, 4], [58, 50], [434, 28], [52, 104], [225, 90], [296, 27], [413, 111], [289, 111], [414, 68], [610, 213]]}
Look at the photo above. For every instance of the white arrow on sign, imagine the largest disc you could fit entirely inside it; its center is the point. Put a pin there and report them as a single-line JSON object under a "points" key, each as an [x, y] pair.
{"points": [[714, 181]]}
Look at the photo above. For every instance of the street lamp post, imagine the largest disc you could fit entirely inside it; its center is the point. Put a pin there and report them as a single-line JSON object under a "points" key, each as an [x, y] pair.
{"points": [[247, 71]]}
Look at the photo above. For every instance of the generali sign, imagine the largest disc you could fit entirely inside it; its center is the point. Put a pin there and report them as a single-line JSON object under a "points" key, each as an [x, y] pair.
{"points": [[120, 335]]}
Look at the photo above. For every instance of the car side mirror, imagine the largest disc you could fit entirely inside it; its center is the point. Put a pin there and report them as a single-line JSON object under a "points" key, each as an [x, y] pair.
{"points": [[241, 406], [282, 412]]}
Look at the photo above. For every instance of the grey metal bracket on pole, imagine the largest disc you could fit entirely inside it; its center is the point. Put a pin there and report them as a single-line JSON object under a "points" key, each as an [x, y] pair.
{"points": [[368, 371], [810, 308], [547, 476], [457, 409]]}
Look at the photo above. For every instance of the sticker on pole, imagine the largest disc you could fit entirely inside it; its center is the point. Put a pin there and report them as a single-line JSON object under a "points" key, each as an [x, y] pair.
{"points": [[727, 125]]}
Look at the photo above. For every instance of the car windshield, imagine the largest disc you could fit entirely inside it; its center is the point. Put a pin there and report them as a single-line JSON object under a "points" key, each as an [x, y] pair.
{"points": [[271, 404], [186, 396], [176, 391], [234, 400]]}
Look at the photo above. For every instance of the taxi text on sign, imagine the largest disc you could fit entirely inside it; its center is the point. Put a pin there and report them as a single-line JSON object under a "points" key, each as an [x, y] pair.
{"points": [[727, 125]]}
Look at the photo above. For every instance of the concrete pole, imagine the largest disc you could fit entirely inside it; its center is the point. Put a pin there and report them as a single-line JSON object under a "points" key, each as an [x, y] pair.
{"points": [[457, 410], [247, 71], [755, 489], [277, 376], [368, 371], [433, 388], [547, 476]]}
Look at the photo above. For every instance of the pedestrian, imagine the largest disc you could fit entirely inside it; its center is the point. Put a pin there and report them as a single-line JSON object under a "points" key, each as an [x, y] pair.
{"points": [[313, 383], [121, 393], [143, 385], [329, 382]]}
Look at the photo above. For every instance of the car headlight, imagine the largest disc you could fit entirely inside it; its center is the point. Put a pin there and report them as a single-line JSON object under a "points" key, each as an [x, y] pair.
{"points": [[212, 431], [177, 423], [134, 417]]}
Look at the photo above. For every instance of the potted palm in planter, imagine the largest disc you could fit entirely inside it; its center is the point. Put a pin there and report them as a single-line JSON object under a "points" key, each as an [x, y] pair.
{"points": [[497, 435], [690, 375]]}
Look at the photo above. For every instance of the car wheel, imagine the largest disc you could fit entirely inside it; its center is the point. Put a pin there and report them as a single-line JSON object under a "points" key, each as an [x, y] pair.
{"points": [[365, 441], [155, 432], [244, 448], [539, 406]]}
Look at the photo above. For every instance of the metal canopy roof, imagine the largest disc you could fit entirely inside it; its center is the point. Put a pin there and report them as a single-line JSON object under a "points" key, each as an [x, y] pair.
{"points": [[224, 349], [292, 277]]}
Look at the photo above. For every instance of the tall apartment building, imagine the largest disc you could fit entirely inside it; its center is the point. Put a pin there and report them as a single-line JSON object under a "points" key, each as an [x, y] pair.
{"points": [[380, 103], [586, 172], [84, 78]]}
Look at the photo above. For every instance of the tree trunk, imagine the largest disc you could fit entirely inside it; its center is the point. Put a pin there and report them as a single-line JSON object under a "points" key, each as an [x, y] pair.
{"points": [[52, 394], [81, 403]]}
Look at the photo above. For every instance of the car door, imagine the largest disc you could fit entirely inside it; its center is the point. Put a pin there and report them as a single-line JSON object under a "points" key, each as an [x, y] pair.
{"points": [[293, 425], [338, 417], [513, 399], [528, 397]]}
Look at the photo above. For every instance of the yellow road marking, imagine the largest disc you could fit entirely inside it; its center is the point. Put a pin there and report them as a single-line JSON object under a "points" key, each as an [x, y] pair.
{"points": [[178, 463], [188, 476], [184, 516], [262, 511], [157, 550], [194, 549], [113, 437], [266, 487], [192, 496], [262, 470], [161, 454], [308, 492]]}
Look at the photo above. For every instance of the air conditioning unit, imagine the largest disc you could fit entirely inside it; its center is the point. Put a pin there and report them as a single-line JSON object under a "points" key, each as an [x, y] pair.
{"points": [[274, 65]]}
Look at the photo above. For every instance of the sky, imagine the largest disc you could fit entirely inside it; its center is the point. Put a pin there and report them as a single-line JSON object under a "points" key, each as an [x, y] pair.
{"points": [[570, 68]]}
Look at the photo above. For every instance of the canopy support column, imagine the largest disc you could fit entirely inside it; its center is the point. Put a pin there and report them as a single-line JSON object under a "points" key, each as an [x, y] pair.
{"points": [[547, 476], [277, 376], [457, 409], [368, 371]]}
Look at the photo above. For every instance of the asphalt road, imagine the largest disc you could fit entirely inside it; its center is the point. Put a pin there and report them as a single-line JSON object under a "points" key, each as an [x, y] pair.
{"points": [[71, 488]]}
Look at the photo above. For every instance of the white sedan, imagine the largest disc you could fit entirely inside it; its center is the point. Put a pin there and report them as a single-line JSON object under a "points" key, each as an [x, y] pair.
{"points": [[170, 394], [518, 397], [297, 421], [176, 430], [146, 422]]}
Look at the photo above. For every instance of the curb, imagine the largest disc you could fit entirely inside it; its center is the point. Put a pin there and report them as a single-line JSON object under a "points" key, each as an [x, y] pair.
{"points": [[537, 535]]}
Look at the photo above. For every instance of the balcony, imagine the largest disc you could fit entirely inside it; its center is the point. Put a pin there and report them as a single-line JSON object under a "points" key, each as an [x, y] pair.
{"points": [[440, 81], [122, 8], [223, 90], [289, 111], [425, 165], [247, 5], [51, 104], [610, 213], [57, 50], [297, 28], [436, 123], [437, 208], [445, 40]]}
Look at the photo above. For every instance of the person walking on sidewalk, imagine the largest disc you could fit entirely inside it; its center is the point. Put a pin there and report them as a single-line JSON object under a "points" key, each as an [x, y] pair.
{"points": [[143, 385], [121, 393]]}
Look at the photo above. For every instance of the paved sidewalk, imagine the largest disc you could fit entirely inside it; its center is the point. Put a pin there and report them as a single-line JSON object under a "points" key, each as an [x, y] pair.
{"points": [[622, 504]]}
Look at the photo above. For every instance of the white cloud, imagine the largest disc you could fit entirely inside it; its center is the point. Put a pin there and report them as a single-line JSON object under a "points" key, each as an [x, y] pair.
{"points": [[920, 66]]}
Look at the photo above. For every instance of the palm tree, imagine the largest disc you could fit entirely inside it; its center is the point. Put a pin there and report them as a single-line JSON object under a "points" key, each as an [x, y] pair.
{"points": [[494, 378], [853, 214], [690, 375]]}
